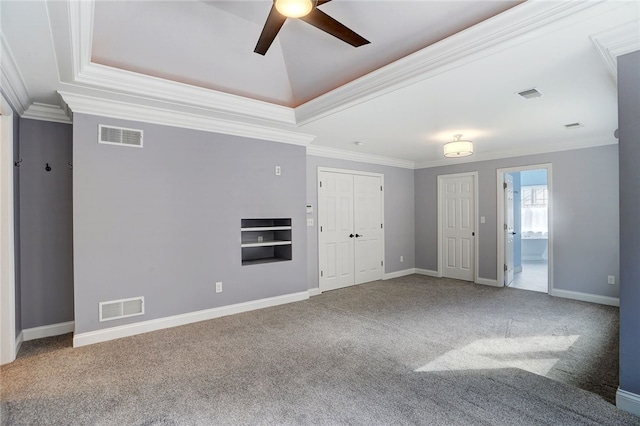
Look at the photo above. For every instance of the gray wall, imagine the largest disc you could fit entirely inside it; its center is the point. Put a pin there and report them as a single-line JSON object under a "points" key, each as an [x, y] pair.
{"points": [[399, 235], [46, 227], [163, 221], [585, 216], [629, 127]]}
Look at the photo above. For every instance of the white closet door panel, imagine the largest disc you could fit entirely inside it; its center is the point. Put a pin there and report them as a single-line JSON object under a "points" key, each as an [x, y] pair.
{"points": [[459, 227], [368, 221]]}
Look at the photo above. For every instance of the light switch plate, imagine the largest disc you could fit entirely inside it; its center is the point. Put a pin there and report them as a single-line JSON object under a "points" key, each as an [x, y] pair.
{"points": [[278, 170]]}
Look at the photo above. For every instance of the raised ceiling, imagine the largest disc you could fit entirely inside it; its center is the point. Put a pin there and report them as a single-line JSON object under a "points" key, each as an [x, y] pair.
{"points": [[433, 69]]}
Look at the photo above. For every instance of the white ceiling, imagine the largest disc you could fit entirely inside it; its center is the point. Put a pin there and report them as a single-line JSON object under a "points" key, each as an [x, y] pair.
{"points": [[195, 60]]}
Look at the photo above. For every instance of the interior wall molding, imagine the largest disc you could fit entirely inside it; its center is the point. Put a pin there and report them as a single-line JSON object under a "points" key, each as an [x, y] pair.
{"points": [[628, 401], [617, 41], [48, 330], [340, 154], [100, 76], [46, 112], [112, 333], [129, 111], [398, 274], [510, 28], [13, 85], [585, 297]]}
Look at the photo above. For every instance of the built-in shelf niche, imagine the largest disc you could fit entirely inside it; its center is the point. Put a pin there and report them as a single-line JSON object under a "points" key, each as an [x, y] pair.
{"points": [[265, 240]]}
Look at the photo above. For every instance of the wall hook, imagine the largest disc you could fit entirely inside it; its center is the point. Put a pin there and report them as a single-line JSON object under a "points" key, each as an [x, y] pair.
{"points": [[48, 167], [70, 166], [17, 163]]}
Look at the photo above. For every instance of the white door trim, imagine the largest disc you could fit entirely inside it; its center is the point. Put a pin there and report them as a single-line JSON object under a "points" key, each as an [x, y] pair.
{"points": [[500, 218], [441, 178], [351, 172], [7, 247]]}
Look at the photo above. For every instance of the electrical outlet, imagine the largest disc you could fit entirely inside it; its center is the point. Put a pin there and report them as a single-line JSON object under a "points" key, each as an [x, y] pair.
{"points": [[219, 287], [611, 279], [278, 170], [401, 258]]}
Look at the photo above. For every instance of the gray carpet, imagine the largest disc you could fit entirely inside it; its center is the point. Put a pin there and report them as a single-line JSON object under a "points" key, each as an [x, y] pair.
{"points": [[414, 350]]}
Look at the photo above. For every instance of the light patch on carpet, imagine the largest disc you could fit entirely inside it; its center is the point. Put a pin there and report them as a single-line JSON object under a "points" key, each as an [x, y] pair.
{"points": [[525, 353]]}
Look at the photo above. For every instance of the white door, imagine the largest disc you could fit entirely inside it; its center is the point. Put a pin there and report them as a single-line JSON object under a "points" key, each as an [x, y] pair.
{"points": [[350, 238], [509, 229], [458, 229], [336, 237], [368, 228]]}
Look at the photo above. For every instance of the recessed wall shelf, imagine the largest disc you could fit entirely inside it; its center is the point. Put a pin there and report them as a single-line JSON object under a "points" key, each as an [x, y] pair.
{"points": [[265, 240]]}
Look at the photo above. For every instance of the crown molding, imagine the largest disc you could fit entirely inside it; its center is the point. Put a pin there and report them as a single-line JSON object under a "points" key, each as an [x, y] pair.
{"points": [[503, 31], [46, 112], [169, 117], [100, 76], [321, 151], [545, 149], [13, 85], [615, 42]]}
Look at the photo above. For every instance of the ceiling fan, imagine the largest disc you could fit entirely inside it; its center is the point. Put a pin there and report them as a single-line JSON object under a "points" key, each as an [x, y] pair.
{"points": [[307, 11]]}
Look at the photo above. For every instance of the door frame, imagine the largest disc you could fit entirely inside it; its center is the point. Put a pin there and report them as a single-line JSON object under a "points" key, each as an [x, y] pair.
{"points": [[500, 219], [349, 172], [7, 245], [441, 179]]}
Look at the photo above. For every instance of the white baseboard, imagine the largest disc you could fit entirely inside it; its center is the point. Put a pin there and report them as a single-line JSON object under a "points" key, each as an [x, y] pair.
{"points": [[127, 330], [426, 272], [314, 292], [48, 330], [19, 340], [586, 297], [399, 274], [486, 281], [628, 401]]}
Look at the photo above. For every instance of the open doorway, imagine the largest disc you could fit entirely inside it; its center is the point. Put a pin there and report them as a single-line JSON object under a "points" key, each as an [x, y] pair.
{"points": [[524, 228]]}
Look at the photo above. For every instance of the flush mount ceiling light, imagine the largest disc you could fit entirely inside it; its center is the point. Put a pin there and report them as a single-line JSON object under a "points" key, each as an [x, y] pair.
{"points": [[458, 148], [295, 8]]}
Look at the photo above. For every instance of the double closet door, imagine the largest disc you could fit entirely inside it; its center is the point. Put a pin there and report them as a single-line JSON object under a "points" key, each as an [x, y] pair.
{"points": [[350, 229]]}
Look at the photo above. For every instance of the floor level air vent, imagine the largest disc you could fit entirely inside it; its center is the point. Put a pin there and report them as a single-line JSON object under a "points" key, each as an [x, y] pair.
{"points": [[116, 309], [119, 136]]}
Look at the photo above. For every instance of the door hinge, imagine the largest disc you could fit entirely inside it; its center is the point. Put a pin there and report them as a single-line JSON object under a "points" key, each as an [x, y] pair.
{"points": [[380, 187], [505, 226], [320, 184], [382, 263], [321, 274], [505, 268], [504, 185], [321, 229], [380, 226]]}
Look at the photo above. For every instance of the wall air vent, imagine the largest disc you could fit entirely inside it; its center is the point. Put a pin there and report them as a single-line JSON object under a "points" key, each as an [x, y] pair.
{"points": [[572, 125], [119, 136], [530, 94], [116, 309]]}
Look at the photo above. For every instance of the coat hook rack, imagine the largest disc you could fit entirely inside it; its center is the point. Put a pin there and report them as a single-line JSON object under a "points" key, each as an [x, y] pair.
{"points": [[48, 167], [70, 166], [17, 163]]}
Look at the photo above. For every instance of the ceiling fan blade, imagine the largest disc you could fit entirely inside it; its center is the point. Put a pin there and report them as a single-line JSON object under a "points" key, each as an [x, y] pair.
{"points": [[326, 23], [270, 31], [320, 2]]}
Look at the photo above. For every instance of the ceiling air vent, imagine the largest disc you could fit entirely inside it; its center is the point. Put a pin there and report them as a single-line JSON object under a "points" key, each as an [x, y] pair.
{"points": [[530, 94], [119, 136], [116, 309], [572, 125]]}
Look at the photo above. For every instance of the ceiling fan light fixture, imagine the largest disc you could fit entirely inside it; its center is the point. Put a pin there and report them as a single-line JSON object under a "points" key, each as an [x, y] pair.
{"points": [[295, 8], [458, 148]]}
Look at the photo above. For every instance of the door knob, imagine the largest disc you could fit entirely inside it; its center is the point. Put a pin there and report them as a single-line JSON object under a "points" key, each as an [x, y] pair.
{"points": [[513, 233], [351, 235], [358, 235]]}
